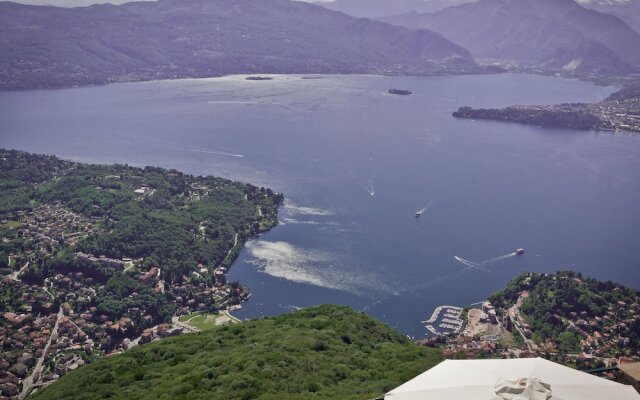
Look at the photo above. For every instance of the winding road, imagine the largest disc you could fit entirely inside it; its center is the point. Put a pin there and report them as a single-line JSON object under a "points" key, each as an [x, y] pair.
{"points": [[28, 383], [14, 276], [514, 312]]}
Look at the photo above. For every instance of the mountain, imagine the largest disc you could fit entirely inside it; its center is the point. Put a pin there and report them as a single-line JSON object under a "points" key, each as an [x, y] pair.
{"points": [[72, 3], [55, 47], [385, 8], [626, 10], [326, 352], [553, 35]]}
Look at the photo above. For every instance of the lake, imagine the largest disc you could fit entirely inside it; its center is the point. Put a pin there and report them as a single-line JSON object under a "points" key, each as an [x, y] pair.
{"points": [[356, 164]]}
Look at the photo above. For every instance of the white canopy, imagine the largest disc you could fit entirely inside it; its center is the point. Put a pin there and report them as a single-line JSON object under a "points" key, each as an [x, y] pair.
{"points": [[475, 380]]}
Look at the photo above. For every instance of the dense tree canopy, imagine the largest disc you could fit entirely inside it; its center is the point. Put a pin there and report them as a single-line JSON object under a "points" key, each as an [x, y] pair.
{"points": [[326, 352]]}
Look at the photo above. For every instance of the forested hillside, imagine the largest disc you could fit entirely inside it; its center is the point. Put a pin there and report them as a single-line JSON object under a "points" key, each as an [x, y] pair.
{"points": [[119, 249], [59, 47], [575, 312], [327, 352]]}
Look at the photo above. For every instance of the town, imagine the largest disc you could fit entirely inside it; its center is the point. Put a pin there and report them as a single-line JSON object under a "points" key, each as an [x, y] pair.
{"points": [[598, 335], [63, 305], [620, 112]]}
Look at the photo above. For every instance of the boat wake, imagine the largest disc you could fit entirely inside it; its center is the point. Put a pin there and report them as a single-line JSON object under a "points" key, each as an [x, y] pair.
{"points": [[500, 258], [465, 262], [218, 153], [481, 264], [179, 146], [425, 208], [417, 288], [370, 188], [468, 264]]}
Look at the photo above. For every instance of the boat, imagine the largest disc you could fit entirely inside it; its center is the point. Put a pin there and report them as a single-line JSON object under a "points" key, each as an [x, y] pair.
{"points": [[418, 214], [520, 251]]}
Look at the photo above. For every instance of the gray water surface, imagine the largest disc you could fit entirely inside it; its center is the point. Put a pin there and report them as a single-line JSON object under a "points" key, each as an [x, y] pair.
{"points": [[356, 164]]}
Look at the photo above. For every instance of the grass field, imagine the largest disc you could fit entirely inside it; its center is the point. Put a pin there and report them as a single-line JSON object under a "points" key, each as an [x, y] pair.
{"points": [[201, 321], [13, 224]]}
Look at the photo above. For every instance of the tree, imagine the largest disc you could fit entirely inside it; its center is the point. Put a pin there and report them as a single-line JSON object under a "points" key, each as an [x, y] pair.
{"points": [[569, 342]]}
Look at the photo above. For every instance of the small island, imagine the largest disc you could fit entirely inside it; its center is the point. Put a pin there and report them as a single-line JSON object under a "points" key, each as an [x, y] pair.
{"points": [[258, 78], [400, 92], [618, 112]]}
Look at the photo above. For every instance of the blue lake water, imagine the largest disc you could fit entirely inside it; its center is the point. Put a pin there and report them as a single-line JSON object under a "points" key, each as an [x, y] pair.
{"points": [[356, 164]]}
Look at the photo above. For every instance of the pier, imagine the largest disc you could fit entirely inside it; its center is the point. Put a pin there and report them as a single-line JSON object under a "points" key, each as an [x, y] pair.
{"points": [[445, 320]]}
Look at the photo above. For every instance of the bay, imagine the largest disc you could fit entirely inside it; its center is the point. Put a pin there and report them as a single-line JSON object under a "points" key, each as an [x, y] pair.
{"points": [[356, 164]]}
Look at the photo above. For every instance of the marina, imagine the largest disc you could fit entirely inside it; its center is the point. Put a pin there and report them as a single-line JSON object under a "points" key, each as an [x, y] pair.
{"points": [[445, 320]]}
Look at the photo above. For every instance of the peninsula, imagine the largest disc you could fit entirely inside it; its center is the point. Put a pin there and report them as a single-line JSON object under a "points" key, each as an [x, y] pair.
{"points": [[618, 112], [567, 317], [95, 259]]}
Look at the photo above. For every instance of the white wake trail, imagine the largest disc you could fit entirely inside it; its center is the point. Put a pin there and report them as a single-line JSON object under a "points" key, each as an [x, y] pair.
{"points": [[499, 258], [219, 153], [369, 189], [426, 208], [465, 262], [469, 265]]}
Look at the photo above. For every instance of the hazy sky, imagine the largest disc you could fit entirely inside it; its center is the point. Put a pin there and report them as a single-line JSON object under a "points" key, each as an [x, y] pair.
{"points": [[77, 3]]}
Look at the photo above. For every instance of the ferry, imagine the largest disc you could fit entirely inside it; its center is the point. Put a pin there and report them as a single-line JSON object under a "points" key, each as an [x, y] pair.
{"points": [[520, 251]]}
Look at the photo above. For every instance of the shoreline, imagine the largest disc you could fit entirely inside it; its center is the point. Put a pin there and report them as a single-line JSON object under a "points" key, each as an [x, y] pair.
{"points": [[615, 81]]}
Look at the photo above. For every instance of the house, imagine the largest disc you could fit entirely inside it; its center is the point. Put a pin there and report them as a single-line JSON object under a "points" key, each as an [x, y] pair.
{"points": [[20, 370], [150, 276]]}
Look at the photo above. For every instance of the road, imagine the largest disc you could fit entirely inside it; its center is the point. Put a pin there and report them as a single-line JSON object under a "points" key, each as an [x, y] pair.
{"points": [[186, 327], [161, 283], [46, 289], [28, 383], [14, 276], [514, 312], [235, 243]]}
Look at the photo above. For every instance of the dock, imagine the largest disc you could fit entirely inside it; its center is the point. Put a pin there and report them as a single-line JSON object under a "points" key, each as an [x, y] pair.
{"points": [[445, 320]]}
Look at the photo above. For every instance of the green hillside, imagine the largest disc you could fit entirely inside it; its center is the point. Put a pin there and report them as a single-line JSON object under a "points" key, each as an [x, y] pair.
{"points": [[569, 310], [326, 352]]}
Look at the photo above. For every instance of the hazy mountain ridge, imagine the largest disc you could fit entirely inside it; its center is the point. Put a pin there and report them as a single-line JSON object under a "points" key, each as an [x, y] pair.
{"points": [[56, 47], [384, 8], [546, 34], [73, 3], [626, 10]]}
